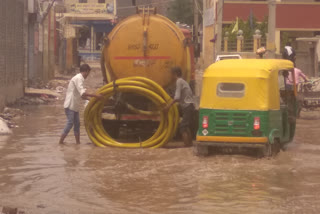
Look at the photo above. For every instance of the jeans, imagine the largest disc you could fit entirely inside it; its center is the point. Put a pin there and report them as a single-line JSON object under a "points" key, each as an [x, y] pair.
{"points": [[73, 120]]}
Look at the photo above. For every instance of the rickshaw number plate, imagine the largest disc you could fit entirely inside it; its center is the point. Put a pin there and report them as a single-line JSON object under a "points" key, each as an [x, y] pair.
{"points": [[205, 132], [230, 123]]}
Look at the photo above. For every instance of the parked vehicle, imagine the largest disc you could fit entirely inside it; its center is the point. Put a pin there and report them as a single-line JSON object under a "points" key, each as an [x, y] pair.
{"points": [[309, 95], [245, 103], [230, 56], [144, 45]]}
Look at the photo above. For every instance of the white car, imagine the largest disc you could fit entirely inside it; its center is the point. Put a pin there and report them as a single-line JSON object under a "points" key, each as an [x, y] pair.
{"points": [[223, 57]]}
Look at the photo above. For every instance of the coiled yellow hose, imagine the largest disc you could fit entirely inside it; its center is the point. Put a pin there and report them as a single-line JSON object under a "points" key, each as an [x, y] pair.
{"points": [[141, 86]]}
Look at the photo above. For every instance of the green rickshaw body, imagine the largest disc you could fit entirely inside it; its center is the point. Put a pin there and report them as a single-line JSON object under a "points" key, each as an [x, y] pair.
{"points": [[245, 102]]}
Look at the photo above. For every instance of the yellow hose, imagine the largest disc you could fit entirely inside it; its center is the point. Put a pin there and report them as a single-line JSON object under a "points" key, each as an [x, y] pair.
{"points": [[141, 86]]}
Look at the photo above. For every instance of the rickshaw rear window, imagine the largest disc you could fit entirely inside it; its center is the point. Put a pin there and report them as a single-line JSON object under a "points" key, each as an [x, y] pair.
{"points": [[236, 90]]}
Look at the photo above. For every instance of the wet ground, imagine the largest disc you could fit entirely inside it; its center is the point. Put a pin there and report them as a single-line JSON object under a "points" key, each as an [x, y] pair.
{"points": [[39, 176]]}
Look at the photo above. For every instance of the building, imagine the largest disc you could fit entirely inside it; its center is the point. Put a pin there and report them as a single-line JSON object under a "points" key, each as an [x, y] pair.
{"points": [[13, 50], [42, 37], [293, 19], [85, 23]]}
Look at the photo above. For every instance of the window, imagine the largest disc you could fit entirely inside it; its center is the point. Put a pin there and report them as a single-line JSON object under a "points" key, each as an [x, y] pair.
{"points": [[235, 90], [101, 1], [83, 1], [133, 2]]}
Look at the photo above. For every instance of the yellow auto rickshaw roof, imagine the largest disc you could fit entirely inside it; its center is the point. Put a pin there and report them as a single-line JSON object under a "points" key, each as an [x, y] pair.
{"points": [[247, 67], [260, 77]]}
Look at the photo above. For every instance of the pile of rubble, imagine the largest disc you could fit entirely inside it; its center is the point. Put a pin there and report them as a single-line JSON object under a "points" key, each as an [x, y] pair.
{"points": [[35, 100], [40, 94], [8, 119], [57, 84]]}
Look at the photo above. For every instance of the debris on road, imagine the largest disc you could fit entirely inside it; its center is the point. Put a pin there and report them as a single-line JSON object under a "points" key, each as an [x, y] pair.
{"points": [[9, 116], [57, 83], [8, 210], [4, 129], [41, 92]]}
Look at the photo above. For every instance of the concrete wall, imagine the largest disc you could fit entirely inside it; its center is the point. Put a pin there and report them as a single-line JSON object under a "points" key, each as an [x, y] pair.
{"points": [[12, 50], [307, 58]]}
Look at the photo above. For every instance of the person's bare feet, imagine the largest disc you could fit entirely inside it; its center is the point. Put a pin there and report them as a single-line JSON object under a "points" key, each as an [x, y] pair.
{"points": [[77, 137], [61, 141]]}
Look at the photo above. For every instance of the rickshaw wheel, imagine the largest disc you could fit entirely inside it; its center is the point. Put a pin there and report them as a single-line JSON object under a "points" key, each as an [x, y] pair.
{"points": [[271, 150], [200, 150]]}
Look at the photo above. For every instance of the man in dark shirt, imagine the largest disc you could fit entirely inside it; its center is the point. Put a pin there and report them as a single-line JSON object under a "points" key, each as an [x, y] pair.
{"points": [[184, 96]]}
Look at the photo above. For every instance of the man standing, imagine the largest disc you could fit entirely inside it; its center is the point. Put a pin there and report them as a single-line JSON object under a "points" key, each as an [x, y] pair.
{"points": [[184, 96], [298, 74], [75, 92]]}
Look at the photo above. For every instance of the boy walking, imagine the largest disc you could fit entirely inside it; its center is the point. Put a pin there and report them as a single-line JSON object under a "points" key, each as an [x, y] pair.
{"points": [[75, 93]]}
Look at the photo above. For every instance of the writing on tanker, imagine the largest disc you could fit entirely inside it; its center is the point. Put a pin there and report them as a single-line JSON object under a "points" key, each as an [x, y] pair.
{"points": [[140, 46]]}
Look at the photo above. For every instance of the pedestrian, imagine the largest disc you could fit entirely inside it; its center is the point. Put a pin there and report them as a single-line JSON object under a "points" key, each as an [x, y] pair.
{"points": [[289, 53], [184, 96], [298, 75], [75, 92]]}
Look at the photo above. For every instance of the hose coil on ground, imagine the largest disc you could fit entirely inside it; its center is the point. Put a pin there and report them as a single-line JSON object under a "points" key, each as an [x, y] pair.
{"points": [[143, 87]]}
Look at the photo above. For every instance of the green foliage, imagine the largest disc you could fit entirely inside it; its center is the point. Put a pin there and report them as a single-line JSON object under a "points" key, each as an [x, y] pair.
{"points": [[181, 11], [247, 28]]}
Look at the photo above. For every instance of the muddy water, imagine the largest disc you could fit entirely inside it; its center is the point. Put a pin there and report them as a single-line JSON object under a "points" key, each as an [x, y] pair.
{"points": [[39, 176]]}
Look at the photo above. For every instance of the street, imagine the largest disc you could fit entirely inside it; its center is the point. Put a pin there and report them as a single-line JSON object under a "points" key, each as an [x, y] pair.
{"points": [[40, 176]]}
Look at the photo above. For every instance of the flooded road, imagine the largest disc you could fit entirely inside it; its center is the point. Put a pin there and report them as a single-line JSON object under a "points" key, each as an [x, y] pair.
{"points": [[39, 176]]}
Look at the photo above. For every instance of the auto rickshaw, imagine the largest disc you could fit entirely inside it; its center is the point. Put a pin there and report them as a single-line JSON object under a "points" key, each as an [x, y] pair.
{"points": [[247, 103]]}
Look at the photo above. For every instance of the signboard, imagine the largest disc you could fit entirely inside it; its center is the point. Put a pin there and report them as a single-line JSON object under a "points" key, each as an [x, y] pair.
{"points": [[209, 4], [209, 12], [87, 8], [208, 17]]}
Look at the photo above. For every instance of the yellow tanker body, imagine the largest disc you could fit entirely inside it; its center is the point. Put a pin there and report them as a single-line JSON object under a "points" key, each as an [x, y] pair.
{"points": [[146, 45]]}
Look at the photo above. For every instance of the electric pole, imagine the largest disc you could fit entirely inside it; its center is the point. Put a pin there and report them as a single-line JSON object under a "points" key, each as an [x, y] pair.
{"points": [[218, 28], [196, 24], [271, 46]]}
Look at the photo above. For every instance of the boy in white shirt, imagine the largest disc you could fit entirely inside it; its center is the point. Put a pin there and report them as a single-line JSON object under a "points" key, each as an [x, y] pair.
{"points": [[75, 93]]}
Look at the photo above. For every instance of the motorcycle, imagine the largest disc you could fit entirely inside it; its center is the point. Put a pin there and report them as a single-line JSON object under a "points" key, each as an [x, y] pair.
{"points": [[309, 95]]}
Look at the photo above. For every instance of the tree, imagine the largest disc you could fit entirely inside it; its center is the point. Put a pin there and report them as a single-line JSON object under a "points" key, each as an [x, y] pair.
{"points": [[181, 11], [248, 27]]}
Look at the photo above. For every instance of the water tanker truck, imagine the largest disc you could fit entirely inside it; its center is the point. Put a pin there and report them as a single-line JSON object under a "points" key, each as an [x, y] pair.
{"points": [[136, 60]]}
